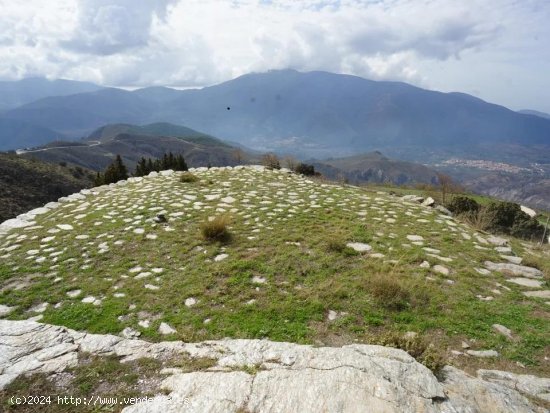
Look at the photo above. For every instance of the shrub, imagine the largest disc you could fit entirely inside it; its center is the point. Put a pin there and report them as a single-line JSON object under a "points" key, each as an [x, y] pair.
{"points": [[216, 229], [305, 169], [421, 350], [336, 245], [424, 352], [508, 218], [188, 177], [463, 205], [270, 161]]}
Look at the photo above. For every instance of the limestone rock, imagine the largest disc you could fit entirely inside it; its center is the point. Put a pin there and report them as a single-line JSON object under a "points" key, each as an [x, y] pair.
{"points": [[505, 331], [527, 384], [531, 212], [514, 269], [359, 246], [483, 353]]}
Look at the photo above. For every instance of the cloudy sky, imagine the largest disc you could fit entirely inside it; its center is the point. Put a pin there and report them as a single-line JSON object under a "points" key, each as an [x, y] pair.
{"points": [[498, 50]]}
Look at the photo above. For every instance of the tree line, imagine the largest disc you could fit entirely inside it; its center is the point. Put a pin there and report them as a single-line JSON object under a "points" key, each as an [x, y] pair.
{"points": [[117, 171]]}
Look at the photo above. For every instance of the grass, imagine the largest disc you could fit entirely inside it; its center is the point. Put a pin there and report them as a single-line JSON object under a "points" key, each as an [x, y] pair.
{"points": [[188, 177], [287, 266], [217, 228]]}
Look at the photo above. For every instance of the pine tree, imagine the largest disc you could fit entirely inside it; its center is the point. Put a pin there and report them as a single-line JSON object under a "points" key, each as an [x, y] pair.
{"points": [[98, 181], [120, 168]]}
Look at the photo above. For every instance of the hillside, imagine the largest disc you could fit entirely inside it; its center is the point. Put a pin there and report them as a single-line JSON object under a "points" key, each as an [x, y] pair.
{"points": [[26, 184], [133, 142], [375, 168], [17, 93], [276, 277], [20, 134], [324, 113]]}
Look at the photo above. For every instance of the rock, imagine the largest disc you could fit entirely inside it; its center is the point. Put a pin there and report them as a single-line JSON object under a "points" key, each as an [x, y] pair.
{"points": [[160, 219], [526, 282], [359, 246], [506, 332], [514, 269], [483, 353], [165, 329], [130, 333], [482, 271], [168, 172], [5, 310], [498, 241], [533, 386], [538, 294], [415, 238], [443, 210], [65, 227], [429, 202], [531, 212], [190, 302], [289, 377], [412, 198], [441, 269], [513, 259], [74, 293], [332, 315], [467, 394], [425, 264], [220, 257], [258, 280]]}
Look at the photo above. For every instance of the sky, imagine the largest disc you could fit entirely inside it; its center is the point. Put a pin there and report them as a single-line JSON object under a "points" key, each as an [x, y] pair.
{"points": [[498, 50]]}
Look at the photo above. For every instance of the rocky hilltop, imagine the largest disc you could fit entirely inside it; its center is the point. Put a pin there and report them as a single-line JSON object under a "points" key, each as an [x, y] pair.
{"points": [[310, 276]]}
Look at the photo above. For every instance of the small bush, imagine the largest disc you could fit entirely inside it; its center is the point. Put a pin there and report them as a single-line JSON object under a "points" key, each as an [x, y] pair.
{"points": [[271, 161], [305, 169], [216, 229], [463, 205], [188, 177], [389, 293], [422, 351], [508, 218]]}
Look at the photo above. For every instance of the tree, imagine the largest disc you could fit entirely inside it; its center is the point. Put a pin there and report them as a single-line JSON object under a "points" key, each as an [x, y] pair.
{"points": [[445, 185], [115, 172], [271, 161], [238, 156], [290, 162]]}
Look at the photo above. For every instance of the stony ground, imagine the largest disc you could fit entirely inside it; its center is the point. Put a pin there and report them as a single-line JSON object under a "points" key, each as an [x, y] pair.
{"points": [[308, 262]]}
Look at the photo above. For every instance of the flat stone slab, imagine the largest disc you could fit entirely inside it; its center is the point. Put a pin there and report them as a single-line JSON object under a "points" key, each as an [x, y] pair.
{"points": [[526, 282], [514, 269], [289, 377], [538, 294], [359, 246]]}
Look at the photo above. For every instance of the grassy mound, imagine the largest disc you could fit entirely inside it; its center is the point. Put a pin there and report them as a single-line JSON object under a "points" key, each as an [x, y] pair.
{"points": [[290, 272]]}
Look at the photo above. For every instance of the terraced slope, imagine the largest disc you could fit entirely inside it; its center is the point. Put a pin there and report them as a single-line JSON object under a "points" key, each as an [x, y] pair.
{"points": [[308, 262]]}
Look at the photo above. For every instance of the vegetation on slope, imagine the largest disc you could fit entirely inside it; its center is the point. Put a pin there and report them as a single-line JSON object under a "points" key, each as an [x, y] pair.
{"points": [[289, 271], [27, 183]]}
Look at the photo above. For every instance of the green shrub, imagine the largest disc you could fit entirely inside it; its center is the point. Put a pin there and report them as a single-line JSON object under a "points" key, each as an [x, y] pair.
{"points": [[463, 205], [508, 218], [305, 169], [188, 177], [216, 229]]}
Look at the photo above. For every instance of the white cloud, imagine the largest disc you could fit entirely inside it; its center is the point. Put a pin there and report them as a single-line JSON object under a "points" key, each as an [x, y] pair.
{"points": [[200, 42]]}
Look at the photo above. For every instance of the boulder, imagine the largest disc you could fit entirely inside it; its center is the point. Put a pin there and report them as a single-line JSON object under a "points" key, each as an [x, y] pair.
{"points": [[531, 212]]}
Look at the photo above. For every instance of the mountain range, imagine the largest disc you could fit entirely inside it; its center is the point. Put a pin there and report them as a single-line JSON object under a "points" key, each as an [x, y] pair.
{"points": [[313, 115], [318, 112]]}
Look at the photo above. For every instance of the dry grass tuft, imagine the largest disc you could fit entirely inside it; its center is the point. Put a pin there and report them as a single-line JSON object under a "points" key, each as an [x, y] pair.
{"points": [[217, 229], [188, 177]]}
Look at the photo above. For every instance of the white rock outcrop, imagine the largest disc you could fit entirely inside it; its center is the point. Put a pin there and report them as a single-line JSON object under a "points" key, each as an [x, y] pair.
{"points": [[288, 378]]}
